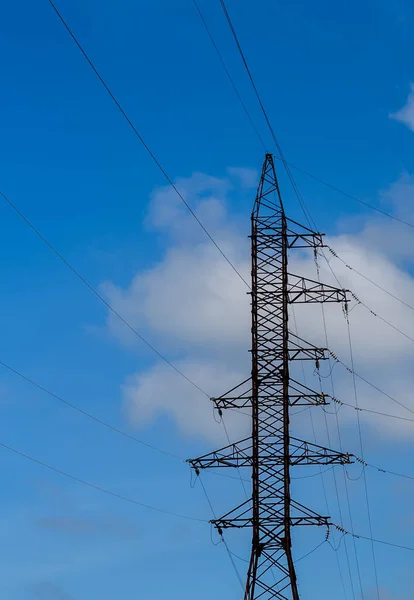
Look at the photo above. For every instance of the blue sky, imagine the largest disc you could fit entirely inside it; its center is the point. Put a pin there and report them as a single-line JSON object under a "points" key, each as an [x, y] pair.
{"points": [[330, 76]]}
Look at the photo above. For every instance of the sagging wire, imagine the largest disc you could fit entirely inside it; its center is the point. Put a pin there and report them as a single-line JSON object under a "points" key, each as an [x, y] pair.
{"points": [[370, 539], [362, 451], [368, 279], [341, 449], [219, 530]]}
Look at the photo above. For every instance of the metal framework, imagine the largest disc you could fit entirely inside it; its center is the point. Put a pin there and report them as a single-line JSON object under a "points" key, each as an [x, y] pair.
{"points": [[270, 451]]}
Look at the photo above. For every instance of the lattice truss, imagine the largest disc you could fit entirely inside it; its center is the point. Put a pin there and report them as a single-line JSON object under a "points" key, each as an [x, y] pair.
{"points": [[270, 451]]}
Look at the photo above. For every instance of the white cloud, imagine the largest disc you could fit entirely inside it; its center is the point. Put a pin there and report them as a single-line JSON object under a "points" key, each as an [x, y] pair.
{"points": [[406, 113], [159, 391], [193, 306]]}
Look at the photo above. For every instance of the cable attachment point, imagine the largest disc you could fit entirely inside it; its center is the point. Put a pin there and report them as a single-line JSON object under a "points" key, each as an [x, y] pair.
{"points": [[333, 355], [218, 409], [341, 529]]}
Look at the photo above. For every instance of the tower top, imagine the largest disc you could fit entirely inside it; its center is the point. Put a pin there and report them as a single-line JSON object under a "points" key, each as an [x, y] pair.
{"points": [[268, 198]]}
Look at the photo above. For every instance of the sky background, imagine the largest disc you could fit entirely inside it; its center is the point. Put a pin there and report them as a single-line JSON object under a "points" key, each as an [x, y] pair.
{"points": [[337, 83]]}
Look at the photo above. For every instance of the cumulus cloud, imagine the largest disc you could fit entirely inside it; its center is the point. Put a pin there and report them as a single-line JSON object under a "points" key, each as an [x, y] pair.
{"points": [[406, 113], [193, 306]]}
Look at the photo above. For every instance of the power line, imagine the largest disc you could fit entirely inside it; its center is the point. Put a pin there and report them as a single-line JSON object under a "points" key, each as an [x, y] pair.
{"points": [[99, 296], [216, 48], [106, 424], [85, 413], [309, 218], [303, 171], [98, 488], [340, 191], [311, 551], [141, 139], [341, 448], [321, 473], [375, 387], [377, 285], [359, 301], [221, 535], [272, 132], [286, 165], [201, 225], [374, 540], [362, 455], [375, 412], [387, 471]]}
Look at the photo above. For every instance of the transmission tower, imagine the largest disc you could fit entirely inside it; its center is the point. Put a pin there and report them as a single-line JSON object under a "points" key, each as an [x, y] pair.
{"points": [[271, 451]]}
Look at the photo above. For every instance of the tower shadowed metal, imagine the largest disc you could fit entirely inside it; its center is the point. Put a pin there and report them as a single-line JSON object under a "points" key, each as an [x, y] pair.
{"points": [[271, 451]]}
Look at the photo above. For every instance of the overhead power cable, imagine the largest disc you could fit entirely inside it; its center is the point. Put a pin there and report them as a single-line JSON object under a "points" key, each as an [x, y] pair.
{"points": [[309, 218], [377, 285], [99, 296], [108, 425], [266, 116], [230, 554], [340, 191], [341, 449], [362, 455], [359, 301], [301, 200], [374, 540], [230, 78], [375, 387], [388, 472], [99, 488], [381, 470], [143, 142], [299, 169], [368, 410], [86, 413]]}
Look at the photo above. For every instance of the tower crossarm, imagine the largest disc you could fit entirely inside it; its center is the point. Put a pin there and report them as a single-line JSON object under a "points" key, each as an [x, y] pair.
{"points": [[299, 349], [299, 395], [299, 236], [239, 454], [302, 289], [305, 453], [272, 519], [235, 455]]}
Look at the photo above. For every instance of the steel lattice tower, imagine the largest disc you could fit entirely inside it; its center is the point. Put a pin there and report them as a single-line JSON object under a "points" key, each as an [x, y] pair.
{"points": [[270, 451]]}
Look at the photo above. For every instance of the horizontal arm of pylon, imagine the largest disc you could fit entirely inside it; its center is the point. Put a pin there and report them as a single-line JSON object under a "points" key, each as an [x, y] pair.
{"points": [[301, 350], [305, 453], [302, 395], [268, 232], [298, 349], [234, 455], [239, 454], [301, 289], [271, 520], [241, 523], [301, 237], [313, 239], [271, 394]]}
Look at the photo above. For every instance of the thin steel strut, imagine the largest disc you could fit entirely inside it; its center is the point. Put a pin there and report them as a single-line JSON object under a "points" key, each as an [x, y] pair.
{"points": [[269, 393]]}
